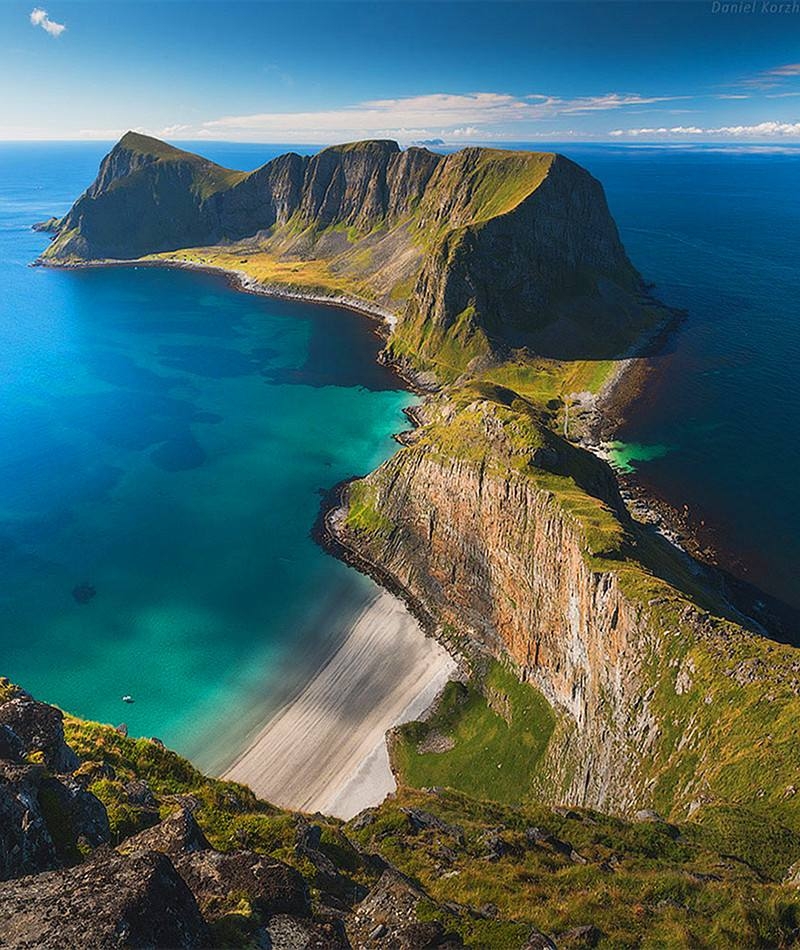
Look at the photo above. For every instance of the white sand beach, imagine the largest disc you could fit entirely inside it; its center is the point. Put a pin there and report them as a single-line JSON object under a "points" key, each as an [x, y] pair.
{"points": [[325, 750]]}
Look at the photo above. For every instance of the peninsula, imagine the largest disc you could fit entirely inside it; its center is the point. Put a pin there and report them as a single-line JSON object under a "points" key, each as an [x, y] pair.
{"points": [[605, 670]]}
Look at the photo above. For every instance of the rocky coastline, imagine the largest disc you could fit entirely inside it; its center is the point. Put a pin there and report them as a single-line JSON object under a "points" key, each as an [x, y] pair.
{"points": [[513, 298]]}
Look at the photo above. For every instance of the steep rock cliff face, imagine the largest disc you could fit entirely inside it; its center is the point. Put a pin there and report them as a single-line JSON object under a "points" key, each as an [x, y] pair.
{"points": [[475, 251], [496, 556], [545, 273], [518, 542], [149, 197]]}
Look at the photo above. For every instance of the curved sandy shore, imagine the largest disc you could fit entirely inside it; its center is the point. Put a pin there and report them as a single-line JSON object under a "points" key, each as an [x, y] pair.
{"points": [[325, 749]]}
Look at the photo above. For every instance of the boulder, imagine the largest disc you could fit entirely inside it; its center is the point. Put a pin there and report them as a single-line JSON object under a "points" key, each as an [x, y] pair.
{"points": [[424, 821], [340, 890], [110, 901], [538, 941], [79, 814], [387, 918], [177, 834], [40, 728], [290, 933], [220, 880], [11, 747], [26, 845], [579, 937]]}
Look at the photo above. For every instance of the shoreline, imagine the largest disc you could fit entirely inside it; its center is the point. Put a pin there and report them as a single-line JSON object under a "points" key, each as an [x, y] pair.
{"points": [[773, 617], [347, 705], [279, 764], [324, 750], [382, 319], [606, 415]]}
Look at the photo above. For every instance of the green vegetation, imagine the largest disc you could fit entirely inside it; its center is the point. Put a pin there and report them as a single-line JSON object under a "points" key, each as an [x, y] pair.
{"points": [[362, 510], [540, 380], [8, 690], [642, 884], [486, 739], [208, 178], [492, 181], [721, 704], [502, 869], [724, 702]]}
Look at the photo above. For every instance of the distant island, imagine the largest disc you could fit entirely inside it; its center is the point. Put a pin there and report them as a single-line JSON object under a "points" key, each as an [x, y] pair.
{"points": [[620, 731]]}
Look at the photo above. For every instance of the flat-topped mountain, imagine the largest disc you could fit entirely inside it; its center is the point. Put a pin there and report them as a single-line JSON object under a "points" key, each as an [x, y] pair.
{"points": [[475, 251]]}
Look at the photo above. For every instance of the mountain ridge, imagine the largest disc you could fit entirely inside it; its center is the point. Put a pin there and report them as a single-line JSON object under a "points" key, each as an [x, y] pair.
{"points": [[477, 251], [607, 669]]}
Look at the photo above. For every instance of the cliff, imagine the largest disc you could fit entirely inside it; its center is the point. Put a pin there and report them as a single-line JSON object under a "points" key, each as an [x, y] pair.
{"points": [[476, 252], [608, 670], [519, 546], [108, 841]]}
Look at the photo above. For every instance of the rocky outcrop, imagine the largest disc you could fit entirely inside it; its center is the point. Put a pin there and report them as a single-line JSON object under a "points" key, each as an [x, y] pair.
{"points": [[393, 903], [111, 901], [25, 842], [40, 729], [177, 834], [220, 879], [62, 887], [44, 817]]}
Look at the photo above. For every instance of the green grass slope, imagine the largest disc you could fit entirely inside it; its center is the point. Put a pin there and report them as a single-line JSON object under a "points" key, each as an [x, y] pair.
{"points": [[501, 870]]}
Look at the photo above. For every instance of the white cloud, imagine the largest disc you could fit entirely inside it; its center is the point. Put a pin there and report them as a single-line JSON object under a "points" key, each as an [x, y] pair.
{"points": [[770, 78], [790, 69], [759, 130], [173, 130], [468, 132], [475, 115], [40, 18], [103, 135]]}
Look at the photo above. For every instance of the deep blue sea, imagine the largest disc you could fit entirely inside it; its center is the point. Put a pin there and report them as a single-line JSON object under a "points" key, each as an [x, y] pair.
{"points": [[718, 230], [165, 439]]}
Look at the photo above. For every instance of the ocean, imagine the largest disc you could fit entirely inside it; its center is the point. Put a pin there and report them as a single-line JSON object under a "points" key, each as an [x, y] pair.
{"points": [[717, 426], [165, 439], [165, 443]]}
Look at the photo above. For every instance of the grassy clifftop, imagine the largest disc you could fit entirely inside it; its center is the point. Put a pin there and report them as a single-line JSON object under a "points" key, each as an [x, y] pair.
{"points": [[502, 870], [661, 695], [426, 868], [476, 252]]}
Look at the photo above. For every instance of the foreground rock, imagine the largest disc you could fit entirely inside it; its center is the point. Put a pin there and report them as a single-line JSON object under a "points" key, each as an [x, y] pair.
{"points": [[112, 901], [177, 834], [40, 729], [219, 880], [388, 918]]}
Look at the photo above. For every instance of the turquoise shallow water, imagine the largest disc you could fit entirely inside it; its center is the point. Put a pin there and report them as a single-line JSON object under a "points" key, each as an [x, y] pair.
{"points": [[165, 440], [628, 456]]}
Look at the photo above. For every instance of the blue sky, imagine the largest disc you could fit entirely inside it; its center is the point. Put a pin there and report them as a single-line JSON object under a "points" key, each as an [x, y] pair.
{"points": [[328, 71]]}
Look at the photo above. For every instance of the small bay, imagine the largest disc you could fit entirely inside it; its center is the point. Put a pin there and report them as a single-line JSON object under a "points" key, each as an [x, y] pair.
{"points": [[165, 442], [165, 439]]}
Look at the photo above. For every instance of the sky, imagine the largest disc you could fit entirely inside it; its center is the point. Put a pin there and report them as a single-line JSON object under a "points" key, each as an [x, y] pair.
{"points": [[315, 73]]}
